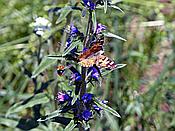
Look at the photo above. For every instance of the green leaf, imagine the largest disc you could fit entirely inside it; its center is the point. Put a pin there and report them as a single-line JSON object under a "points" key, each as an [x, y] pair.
{"points": [[86, 125], [64, 12], [12, 47], [37, 99], [115, 1], [48, 33], [20, 40], [94, 20], [73, 45], [56, 57], [112, 121], [106, 108], [108, 34], [45, 63], [116, 7], [70, 126], [8, 122], [74, 99], [50, 116], [105, 5], [109, 71]]}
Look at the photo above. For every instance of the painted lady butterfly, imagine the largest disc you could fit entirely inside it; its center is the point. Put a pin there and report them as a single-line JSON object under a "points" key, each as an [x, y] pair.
{"points": [[95, 56]]}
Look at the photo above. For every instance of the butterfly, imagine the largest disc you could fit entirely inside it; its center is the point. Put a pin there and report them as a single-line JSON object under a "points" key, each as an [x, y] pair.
{"points": [[95, 56]]}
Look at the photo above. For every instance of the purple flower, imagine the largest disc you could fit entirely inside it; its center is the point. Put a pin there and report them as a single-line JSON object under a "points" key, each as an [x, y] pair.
{"points": [[89, 4], [62, 97], [76, 77], [87, 97], [85, 49], [100, 28], [86, 115], [73, 30], [94, 73]]}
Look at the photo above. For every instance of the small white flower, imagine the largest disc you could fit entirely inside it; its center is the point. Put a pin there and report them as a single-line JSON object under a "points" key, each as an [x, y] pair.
{"points": [[41, 25], [40, 21]]}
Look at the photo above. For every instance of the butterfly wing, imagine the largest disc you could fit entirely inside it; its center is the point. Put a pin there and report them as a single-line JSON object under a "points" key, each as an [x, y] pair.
{"points": [[89, 62], [103, 61], [100, 61], [94, 49]]}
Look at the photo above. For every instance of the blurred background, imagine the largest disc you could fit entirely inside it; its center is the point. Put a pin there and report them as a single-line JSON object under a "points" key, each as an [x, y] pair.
{"points": [[143, 92]]}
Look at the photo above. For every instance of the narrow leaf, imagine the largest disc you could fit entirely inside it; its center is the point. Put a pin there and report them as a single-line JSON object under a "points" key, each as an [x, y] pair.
{"points": [[112, 121], [8, 122], [74, 99], [73, 45], [94, 20], [105, 5], [12, 47], [86, 125], [116, 1], [37, 99], [56, 57], [50, 116], [45, 63], [20, 40], [108, 34], [64, 12], [106, 108], [70, 126], [116, 7]]}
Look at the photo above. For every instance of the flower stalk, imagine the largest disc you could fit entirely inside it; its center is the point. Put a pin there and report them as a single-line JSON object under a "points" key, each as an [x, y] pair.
{"points": [[84, 71]]}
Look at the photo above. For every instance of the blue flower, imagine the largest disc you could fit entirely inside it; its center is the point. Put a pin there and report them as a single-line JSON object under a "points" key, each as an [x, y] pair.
{"points": [[86, 115], [62, 97], [76, 77], [85, 49], [73, 30], [89, 4], [87, 97], [94, 73], [100, 28]]}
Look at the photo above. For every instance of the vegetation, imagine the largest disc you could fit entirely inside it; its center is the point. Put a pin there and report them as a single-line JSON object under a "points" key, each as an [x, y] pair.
{"points": [[142, 92]]}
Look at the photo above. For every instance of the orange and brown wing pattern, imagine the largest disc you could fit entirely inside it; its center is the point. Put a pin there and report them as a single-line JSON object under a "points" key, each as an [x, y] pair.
{"points": [[103, 61], [94, 49], [94, 56], [100, 61], [88, 62]]}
